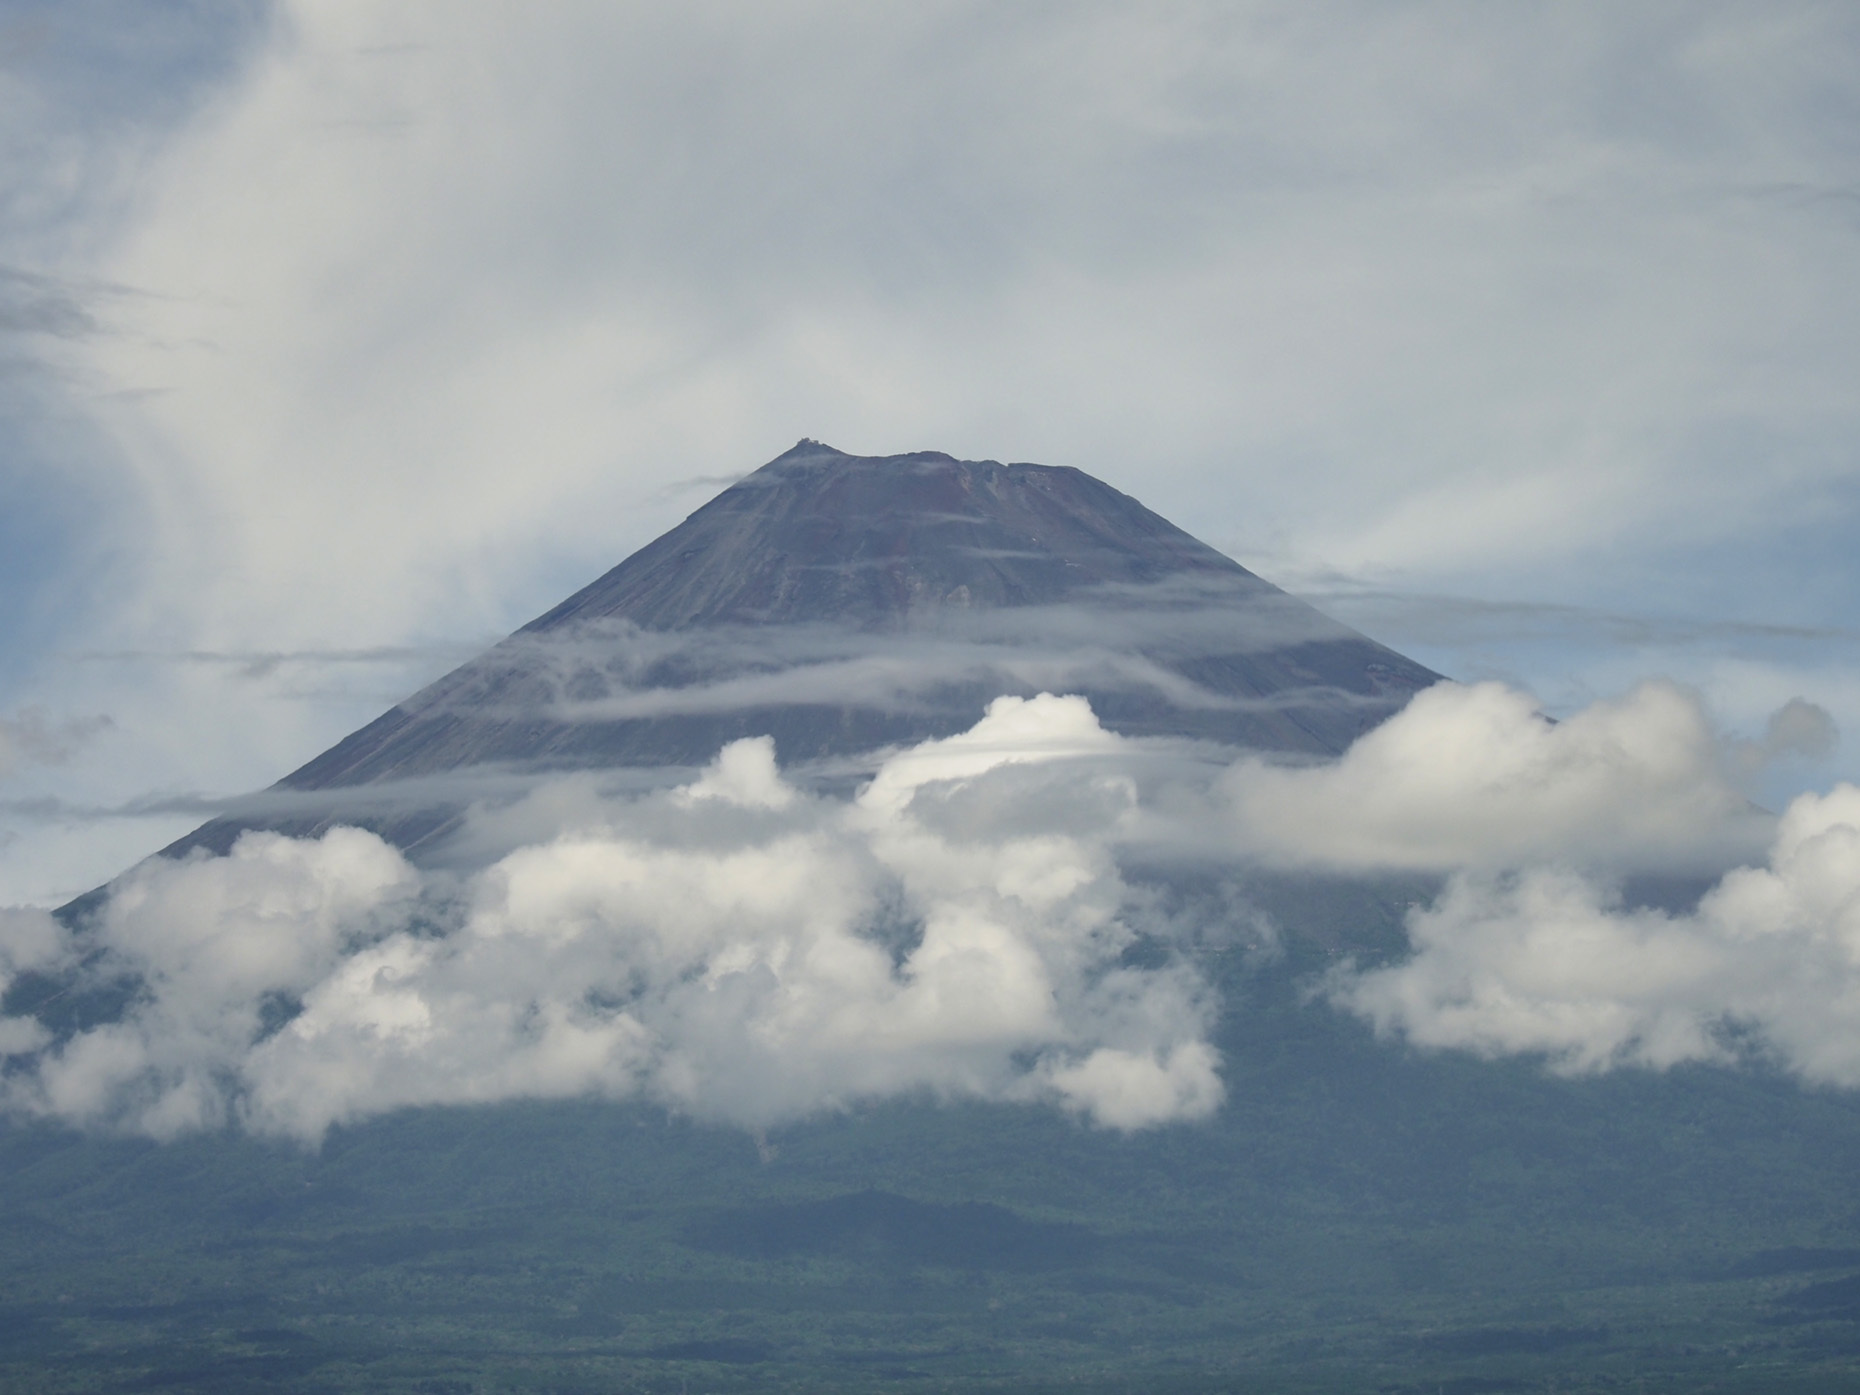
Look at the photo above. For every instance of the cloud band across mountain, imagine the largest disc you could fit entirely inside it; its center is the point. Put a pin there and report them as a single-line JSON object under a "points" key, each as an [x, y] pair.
{"points": [[744, 949]]}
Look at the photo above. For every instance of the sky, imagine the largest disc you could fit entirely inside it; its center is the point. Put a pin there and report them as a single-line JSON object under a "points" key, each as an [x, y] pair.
{"points": [[339, 339]]}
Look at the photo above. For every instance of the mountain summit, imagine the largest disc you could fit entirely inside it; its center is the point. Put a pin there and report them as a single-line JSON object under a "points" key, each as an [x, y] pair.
{"points": [[886, 542], [842, 604]]}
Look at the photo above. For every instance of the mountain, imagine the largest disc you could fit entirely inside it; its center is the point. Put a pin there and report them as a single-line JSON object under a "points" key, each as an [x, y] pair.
{"points": [[1359, 1215], [843, 604]]}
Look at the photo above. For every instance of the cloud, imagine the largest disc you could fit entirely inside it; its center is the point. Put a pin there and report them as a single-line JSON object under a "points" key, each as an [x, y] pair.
{"points": [[33, 734], [1403, 618], [30, 940], [212, 944], [1476, 776], [744, 945], [1550, 963], [1133, 1090], [264, 663], [733, 947], [33, 304], [1120, 637], [1798, 729], [1530, 947], [1227, 251]]}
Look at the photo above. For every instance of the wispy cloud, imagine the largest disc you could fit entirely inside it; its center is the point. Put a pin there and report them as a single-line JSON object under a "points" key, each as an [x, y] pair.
{"points": [[1409, 617], [36, 304], [693, 485], [35, 735], [265, 663]]}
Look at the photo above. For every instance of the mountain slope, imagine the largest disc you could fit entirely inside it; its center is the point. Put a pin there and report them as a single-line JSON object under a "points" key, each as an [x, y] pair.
{"points": [[846, 603]]}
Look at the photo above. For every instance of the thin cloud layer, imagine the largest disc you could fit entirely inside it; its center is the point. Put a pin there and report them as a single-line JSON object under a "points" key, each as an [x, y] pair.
{"points": [[35, 735]]}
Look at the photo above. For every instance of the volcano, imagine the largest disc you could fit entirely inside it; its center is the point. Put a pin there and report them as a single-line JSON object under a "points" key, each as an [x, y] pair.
{"points": [[845, 604], [508, 1212]]}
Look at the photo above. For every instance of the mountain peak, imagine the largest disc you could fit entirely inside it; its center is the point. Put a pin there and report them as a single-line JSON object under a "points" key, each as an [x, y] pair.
{"points": [[805, 448], [883, 542]]}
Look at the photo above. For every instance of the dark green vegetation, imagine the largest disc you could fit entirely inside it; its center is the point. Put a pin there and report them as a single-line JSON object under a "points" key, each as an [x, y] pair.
{"points": [[1359, 1218]]}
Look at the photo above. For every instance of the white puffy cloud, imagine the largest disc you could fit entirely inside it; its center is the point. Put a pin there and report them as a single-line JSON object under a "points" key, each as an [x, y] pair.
{"points": [[734, 948], [1549, 962], [1530, 947], [1134, 1090], [1477, 776], [211, 944], [745, 774], [742, 948]]}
